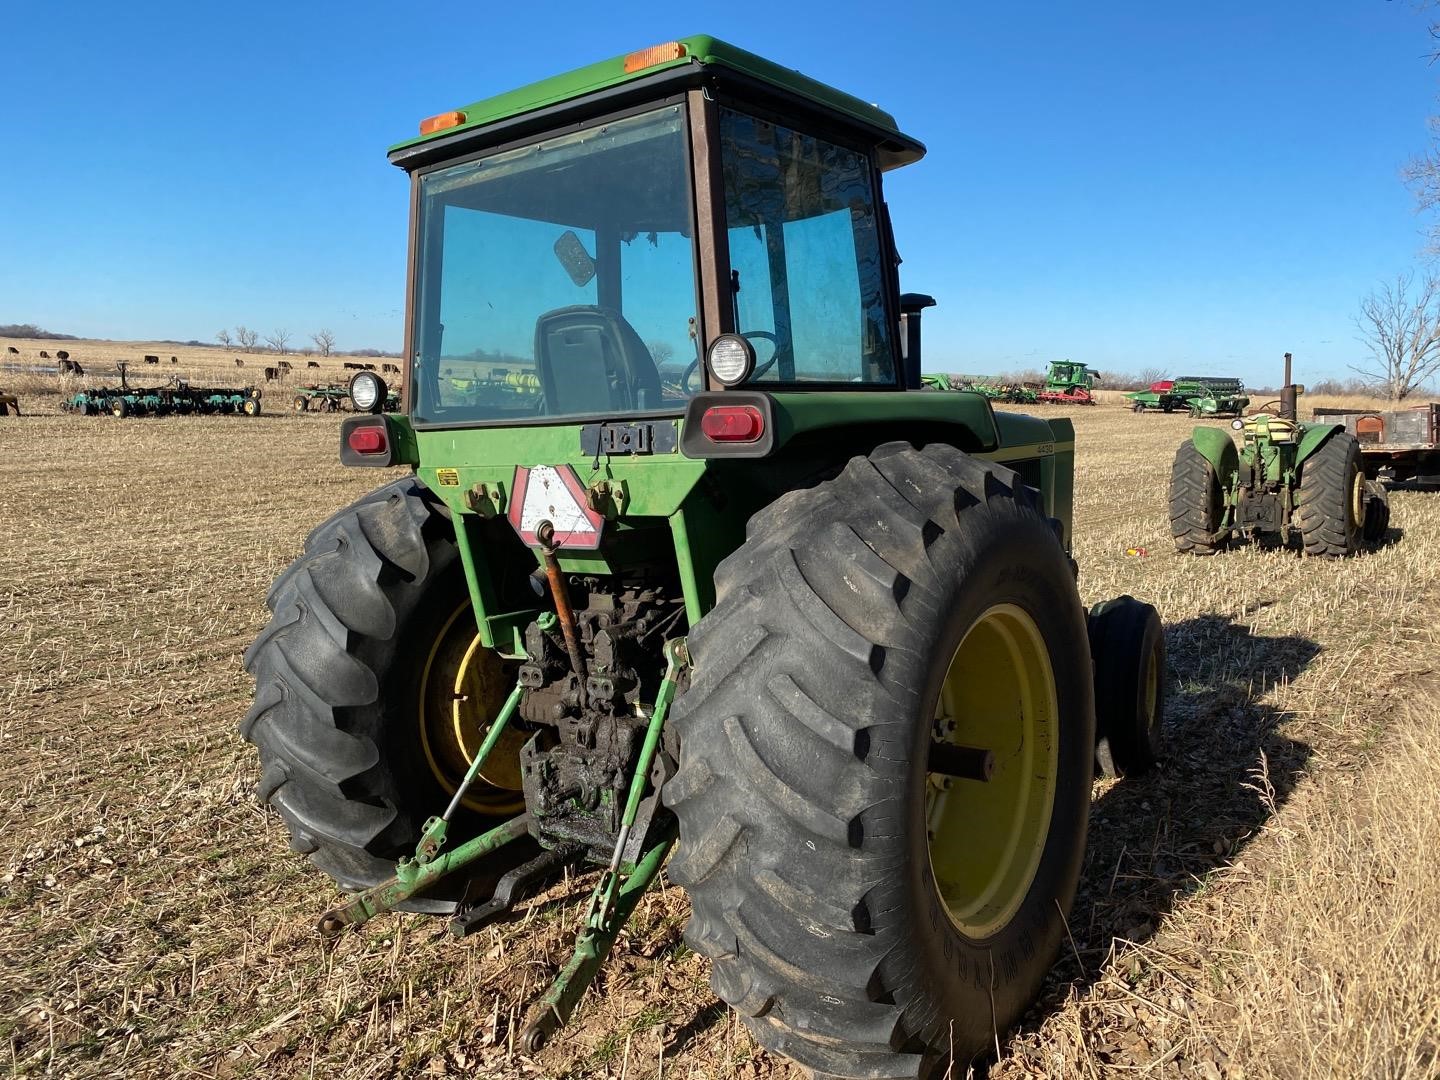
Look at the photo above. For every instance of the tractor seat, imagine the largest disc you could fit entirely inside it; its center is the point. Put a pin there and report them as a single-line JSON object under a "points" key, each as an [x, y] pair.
{"points": [[590, 360]]}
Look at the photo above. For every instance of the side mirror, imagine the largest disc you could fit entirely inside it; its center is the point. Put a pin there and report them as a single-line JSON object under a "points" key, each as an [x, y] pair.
{"points": [[574, 258]]}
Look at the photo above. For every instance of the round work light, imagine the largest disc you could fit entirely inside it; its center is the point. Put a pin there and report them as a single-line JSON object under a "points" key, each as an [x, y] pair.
{"points": [[367, 392], [731, 359]]}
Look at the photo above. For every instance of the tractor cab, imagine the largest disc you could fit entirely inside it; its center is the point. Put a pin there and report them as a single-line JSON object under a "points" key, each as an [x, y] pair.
{"points": [[582, 257]]}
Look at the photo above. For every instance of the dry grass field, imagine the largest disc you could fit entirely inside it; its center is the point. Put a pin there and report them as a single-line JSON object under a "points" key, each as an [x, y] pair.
{"points": [[200, 366], [1267, 905]]}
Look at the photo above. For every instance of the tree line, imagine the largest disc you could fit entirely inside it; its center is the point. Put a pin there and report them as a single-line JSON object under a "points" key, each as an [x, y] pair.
{"points": [[323, 342]]}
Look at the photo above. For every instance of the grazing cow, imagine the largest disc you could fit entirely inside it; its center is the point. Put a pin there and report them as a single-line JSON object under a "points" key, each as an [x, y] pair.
{"points": [[311, 363], [239, 362], [44, 355], [284, 365], [71, 367], [152, 359], [368, 367], [12, 350], [59, 355], [271, 374], [348, 366], [390, 369]]}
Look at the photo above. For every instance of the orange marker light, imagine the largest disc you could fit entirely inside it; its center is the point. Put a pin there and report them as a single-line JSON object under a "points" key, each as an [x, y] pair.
{"points": [[432, 124], [655, 54]]}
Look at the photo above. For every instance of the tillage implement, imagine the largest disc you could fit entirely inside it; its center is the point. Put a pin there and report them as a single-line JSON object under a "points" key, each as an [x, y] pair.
{"points": [[687, 566]]}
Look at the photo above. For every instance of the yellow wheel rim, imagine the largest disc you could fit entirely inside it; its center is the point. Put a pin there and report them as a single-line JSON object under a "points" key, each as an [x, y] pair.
{"points": [[1357, 499], [462, 687], [986, 837]]}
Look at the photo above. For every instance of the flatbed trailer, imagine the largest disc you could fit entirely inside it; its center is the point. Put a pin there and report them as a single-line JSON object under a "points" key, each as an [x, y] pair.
{"points": [[1398, 445]]}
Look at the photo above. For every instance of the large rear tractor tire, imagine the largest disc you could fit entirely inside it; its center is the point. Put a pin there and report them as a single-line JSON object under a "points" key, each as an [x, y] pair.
{"points": [[1330, 501], [1197, 505], [871, 907], [370, 646]]}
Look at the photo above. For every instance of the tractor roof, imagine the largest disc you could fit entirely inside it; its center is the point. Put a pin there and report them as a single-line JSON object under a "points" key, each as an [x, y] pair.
{"points": [[673, 65]]}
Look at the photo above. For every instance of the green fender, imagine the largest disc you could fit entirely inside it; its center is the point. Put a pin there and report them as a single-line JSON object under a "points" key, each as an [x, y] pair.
{"points": [[1216, 447], [1313, 437]]}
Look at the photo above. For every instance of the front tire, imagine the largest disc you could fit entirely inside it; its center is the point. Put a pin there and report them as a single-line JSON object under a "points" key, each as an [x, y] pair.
{"points": [[341, 675], [1127, 643], [862, 621], [1330, 501]]}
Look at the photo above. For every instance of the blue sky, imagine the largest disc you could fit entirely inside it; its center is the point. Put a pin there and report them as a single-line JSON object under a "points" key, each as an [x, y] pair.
{"points": [[1136, 184]]}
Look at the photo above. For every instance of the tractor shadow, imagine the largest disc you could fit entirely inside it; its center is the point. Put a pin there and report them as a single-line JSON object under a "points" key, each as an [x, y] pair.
{"points": [[1156, 840]]}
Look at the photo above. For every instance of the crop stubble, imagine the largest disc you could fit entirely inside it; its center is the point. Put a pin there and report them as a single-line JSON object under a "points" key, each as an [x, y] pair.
{"points": [[153, 923]]}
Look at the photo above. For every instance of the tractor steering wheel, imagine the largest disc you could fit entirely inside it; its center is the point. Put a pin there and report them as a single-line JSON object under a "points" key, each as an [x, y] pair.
{"points": [[759, 370]]}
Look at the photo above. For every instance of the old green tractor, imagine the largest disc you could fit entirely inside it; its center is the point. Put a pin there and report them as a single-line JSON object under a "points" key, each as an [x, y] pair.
{"points": [[686, 559], [1298, 481]]}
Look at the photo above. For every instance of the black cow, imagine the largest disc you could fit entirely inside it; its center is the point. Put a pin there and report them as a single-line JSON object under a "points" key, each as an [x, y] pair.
{"points": [[174, 359], [284, 365], [348, 366], [60, 355], [368, 367], [271, 374], [311, 363], [239, 362], [152, 359], [390, 369], [12, 350], [44, 355], [71, 367]]}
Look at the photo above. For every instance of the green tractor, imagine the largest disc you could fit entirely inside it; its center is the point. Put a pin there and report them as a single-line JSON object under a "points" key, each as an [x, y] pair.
{"points": [[686, 559], [1288, 479]]}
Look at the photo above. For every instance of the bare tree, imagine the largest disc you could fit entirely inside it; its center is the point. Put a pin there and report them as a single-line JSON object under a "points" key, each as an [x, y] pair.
{"points": [[223, 337], [324, 341], [662, 352], [247, 338], [278, 340], [1400, 323]]}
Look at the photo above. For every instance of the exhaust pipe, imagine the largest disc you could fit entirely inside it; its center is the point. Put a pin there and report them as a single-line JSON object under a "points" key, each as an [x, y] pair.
{"points": [[1288, 394]]}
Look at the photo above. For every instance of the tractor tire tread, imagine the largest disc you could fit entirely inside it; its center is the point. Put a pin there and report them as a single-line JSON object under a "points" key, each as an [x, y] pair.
{"points": [[317, 771], [774, 845], [1322, 499], [1192, 482]]}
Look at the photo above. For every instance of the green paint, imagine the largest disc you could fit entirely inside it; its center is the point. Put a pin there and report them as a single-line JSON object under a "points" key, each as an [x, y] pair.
{"points": [[1312, 437], [1218, 448], [412, 876], [700, 49], [1066, 375], [591, 948]]}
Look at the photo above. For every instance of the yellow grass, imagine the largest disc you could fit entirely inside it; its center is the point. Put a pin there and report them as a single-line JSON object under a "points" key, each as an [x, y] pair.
{"points": [[1265, 906]]}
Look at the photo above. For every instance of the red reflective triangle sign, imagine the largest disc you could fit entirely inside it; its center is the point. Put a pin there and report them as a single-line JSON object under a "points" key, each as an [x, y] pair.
{"points": [[553, 493]]}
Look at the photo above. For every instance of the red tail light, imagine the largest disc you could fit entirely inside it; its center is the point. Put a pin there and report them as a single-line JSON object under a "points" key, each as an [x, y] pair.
{"points": [[367, 440], [732, 423]]}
